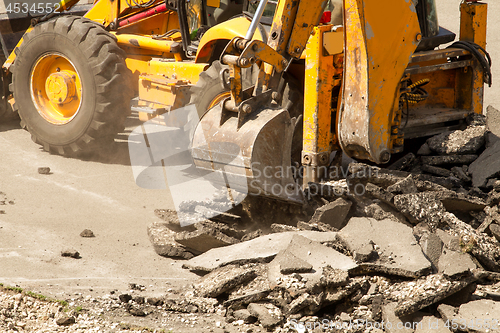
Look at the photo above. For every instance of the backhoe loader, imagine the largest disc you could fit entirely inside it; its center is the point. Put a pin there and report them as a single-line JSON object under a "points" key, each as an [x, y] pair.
{"points": [[279, 86]]}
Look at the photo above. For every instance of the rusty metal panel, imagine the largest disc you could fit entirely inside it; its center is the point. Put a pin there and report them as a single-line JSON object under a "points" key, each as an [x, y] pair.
{"points": [[473, 17], [282, 26], [381, 37], [309, 14]]}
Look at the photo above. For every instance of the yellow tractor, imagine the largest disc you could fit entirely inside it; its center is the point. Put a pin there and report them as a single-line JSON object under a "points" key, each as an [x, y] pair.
{"points": [[279, 84]]}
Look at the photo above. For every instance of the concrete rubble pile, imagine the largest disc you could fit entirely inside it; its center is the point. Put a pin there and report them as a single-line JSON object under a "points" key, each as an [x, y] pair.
{"points": [[413, 247]]}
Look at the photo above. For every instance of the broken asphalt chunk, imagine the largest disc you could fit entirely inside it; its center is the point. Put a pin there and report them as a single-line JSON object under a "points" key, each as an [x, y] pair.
{"points": [[333, 213], [260, 249], [468, 141], [486, 166], [430, 290], [473, 316], [398, 252], [162, 238], [452, 263], [222, 280], [268, 315], [289, 263], [493, 120], [404, 186], [204, 239], [319, 256], [449, 159], [484, 248]]}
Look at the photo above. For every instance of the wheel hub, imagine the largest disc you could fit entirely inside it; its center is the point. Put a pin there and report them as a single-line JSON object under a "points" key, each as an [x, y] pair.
{"points": [[56, 89], [60, 88]]}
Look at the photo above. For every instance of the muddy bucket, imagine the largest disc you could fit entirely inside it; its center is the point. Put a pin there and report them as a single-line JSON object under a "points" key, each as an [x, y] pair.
{"points": [[254, 158]]}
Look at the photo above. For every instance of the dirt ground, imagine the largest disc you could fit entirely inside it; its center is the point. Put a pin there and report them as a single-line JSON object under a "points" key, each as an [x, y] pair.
{"points": [[44, 214]]}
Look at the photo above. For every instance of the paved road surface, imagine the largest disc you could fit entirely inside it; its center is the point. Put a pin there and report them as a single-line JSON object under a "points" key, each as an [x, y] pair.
{"points": [[50, 211]]}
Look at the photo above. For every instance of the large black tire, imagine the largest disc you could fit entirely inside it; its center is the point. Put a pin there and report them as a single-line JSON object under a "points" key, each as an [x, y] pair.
{"points": [[6, 111], [209, 90], [105, 85]]}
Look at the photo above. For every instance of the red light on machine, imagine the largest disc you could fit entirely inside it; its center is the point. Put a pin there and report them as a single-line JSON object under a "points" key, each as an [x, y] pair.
{"points": [[326, 17]]}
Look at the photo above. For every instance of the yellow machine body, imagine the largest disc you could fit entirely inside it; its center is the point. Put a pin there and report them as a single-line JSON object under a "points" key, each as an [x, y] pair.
{"points": [[354, 79]]}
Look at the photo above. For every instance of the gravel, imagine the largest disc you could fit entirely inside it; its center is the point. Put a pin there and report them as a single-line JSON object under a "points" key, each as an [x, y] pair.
{"points": [[30, 312]]}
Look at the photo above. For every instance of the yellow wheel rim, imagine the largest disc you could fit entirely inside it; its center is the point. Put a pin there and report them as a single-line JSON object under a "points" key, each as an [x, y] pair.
{"points": [[56, 89], [219, 99]]}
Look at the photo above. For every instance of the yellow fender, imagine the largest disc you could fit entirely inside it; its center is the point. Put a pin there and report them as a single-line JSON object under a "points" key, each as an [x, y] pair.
{"points": [[223, 32]]}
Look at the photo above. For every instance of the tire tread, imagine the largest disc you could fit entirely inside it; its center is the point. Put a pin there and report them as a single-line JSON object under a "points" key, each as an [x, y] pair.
{"points": [[111, 76]]}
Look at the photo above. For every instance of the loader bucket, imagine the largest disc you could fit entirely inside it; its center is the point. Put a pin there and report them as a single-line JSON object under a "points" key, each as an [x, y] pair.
{"points": [[254, 158]]}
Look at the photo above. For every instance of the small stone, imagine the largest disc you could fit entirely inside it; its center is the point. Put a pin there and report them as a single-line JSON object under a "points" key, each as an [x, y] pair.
{"points": [[156, 301], [364, 253], [139, 299], [138, 312], [44, 171], [125, 298], [244, 315], [405, 186], [267, 320], [70, 253], [87, 233], [495, 230], [66, 321]]}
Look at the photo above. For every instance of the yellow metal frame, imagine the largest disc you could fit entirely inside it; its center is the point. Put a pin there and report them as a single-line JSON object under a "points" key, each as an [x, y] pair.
{"points": [[318, 86], [380, 37], [473, 29]]}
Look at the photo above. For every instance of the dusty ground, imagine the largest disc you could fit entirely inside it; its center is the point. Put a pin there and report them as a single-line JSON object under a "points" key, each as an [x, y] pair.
{"points": [[45, 214]]}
